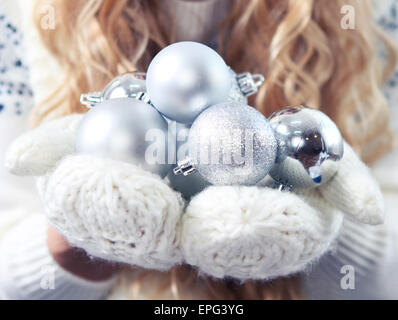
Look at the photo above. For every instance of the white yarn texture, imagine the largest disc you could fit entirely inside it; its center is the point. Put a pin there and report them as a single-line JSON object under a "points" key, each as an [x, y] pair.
{"points": [[114, 210], [354, 191], [119, 212], [254, 233], [37, 151]]}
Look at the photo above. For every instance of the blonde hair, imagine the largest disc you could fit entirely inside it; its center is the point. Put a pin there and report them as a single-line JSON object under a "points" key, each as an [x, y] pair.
{"points": [[183, 283], [300, 46]]}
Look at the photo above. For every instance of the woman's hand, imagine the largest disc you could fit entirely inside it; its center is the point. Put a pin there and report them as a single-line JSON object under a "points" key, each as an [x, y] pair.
{"points": [[119, 212], [262, 233], [111, 209], [76, 260]]}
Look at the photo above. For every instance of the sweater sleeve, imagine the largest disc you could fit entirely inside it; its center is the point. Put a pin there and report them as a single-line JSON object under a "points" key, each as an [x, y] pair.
{"points": [[18, 196], [386, 170]]}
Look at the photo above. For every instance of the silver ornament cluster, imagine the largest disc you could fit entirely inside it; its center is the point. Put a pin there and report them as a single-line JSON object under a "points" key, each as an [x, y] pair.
{"points": [[301, 146], [182, 80], [229, 142]]}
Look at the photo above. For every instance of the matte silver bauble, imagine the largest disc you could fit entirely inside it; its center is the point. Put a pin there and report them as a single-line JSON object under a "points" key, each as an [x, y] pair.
{"points": [[127, 130], [189, 185], [230, 143], [309, 147], [185, 78]]}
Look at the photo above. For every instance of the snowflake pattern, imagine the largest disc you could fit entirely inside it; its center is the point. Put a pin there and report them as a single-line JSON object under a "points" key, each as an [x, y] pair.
{"points": [[15, 91], [388, 21]]}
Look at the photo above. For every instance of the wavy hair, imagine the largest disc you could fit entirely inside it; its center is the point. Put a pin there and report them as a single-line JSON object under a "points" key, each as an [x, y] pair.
{"points": [[300, 46]]}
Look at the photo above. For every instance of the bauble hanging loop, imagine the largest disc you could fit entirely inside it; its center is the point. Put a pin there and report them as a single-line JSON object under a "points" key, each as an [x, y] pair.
{"points": [[249, 83]]}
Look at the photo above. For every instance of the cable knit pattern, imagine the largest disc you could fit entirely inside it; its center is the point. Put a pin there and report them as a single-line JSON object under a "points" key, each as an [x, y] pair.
{"points": [[37, 151], [114, 210], [255, 233], [354, 191]]}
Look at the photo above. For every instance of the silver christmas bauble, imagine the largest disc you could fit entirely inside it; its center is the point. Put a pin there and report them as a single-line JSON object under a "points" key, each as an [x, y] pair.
{"points": [[128, 85], [185, 78], [232, 143], [309, 147], [188, 185], [127, 130]]}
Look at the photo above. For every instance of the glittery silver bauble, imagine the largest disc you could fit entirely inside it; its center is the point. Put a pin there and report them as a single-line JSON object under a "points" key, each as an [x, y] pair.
{"points": [[231, 143], [309, 147], [128, 85], [127, 130], [185, 78]]}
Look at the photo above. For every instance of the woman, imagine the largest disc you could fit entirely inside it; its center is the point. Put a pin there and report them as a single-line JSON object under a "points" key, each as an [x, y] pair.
{"points": [[301, 47]]}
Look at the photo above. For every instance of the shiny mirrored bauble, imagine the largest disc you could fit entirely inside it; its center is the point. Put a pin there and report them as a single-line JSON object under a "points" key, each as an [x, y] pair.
{"points": [[309, 147], [185, 78], [126, 130], [232, 143], [128, 85]]}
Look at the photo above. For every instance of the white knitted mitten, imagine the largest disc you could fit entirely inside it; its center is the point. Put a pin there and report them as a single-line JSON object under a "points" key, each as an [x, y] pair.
{"points": [[261, 233], [37, 151], [255, 233], [113, 210], [119, 212], [354, 191]]}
